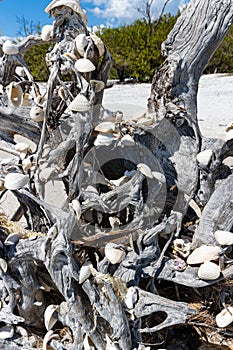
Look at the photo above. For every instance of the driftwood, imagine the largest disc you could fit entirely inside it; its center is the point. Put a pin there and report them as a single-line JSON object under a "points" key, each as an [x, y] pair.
{"points": [[87, 275]]}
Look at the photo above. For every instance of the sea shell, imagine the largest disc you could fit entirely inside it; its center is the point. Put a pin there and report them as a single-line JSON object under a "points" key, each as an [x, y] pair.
{"points": [[3, 265], [145, 170], [49, 320], [114, 253], [106, 127], [37, 114], [159, 176], [73, 4], [97, 85], [81, 43], [6, 332], [15, 181], [49, 336], [26, 165], [145, 121], [19, 70], [9, 48], [98, 43], [104, 139], [202, 254], [75, 204], [209, 271], [224, 237], [84, 65], [127, 140], [63, 308], [225, 317], [79, 104], [204, 157], [85, 272], [14, 93], [131, 297], [22, 147], [47, 32], [27, 99]]}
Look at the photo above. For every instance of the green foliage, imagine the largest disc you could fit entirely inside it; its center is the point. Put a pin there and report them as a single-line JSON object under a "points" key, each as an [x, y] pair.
{"points": [[35, 59]]}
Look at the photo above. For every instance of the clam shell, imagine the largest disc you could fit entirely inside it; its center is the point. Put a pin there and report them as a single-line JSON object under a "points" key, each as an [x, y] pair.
{"points": [[63, 308], [37, 114], [145, 121], [204, 157], [84, 65], [81, 43], [73, 4], [225, 317], [84, 272], [9, 48], [15, 181], [104, 139], [159, 176], [98, 43], [79, 104], [114, 253], [224, 237], [26, 165], [106, 127], [47, 32], [6, 332], [20, 71], [202, 254], [208, 271], [15, 94], [49, 320], [127, 140], [22, 147], [3, 265], [145, 170], [97, 85]]}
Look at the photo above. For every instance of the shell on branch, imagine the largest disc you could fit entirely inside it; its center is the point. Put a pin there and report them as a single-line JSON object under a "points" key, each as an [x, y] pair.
{"points": [[84, 65], [225, 317], [27, 99], [127, 140], [19, 70], [203, 254], [75, 204], [131, 298], [224, 237], [22, 147], [49, 336], [46, 174], [3, 265], [204, 157], [26, 164], [143, 121], [9, 48], [79, 104], [209, 271], [85, 272], [159, 176], [49, 320], [37, 114], [15, 181], [14, 93], [47, 32], [145, 170], [7, 332], [104, 139], [98, 43], [97, 85], [106, 127], [114, 253], [81, 43], [73, 4]]}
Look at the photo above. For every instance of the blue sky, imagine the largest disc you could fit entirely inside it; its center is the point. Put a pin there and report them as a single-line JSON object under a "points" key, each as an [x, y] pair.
{"points": [[106, 12]]}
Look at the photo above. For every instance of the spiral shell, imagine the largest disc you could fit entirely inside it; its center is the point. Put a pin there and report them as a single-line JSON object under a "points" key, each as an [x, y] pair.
{"points": [[81, 43], [208, 271], [84, 65], [225, 317], [79, 104], [37, 114], [202, 254], [15, 181], [224, 237], [47, 32], [9, 48], [14, 93]]}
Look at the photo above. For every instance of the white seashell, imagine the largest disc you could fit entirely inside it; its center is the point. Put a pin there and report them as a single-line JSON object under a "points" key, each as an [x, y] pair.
{"points": [[14, 93], [9, 48], [47, 32], [75, 204], [97, 85], [73, 4], [145, 170], [84, 65], [37, 114], [6, 332], [22, 147], [106, 127], [15, 181], [127, 140], [12, 239], [114, 253], [104, 139], [225, 317], [204, 157], [49, 320], [209, 271], [19, 70], [79, 104], [63, 308], [224, 237], [98, 43], [81, 43], [159, 176], [3, 265], [131, 297], [26, 165], [49, 336], [145, 121], [203, 253], [85, 272]]}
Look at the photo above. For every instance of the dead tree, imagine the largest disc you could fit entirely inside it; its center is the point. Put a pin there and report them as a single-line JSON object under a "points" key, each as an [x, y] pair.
{"points": [[140, 194]]}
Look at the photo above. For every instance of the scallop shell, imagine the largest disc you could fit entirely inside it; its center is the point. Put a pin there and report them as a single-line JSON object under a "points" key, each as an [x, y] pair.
{"points": [[225, 317], [47, 32], [81, 43], [127, 140], [104, 139], [106, 127], [37, 114], [79, 104], [6, 332], [114, 253], [84, 65], [49, 320], [98, 43], [202, 254], [9, 48], [85, 272], [145, 170], [209, 271], [14, 93], [15, 181], [204, 157], [73, 4], [19, 70], [224, 237]]}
